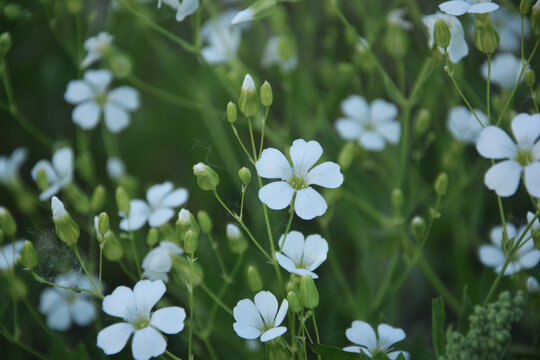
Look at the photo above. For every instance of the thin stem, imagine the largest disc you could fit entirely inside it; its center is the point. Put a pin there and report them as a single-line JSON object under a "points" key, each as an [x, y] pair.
{"points": [[252, 138], [216, 299], [242, 201], [98, 293], [134, 250], [43, 281], [242, 144], [131, 276], [291, 210], [488, 108], [218, 256], [171, 355], [191, 307], [100, 265], [262, 132], [12, 340]]}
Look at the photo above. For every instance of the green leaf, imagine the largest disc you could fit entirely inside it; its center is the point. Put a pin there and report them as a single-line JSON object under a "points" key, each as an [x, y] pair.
{"points": [[334, 353], [437, 331], [466, 310]]}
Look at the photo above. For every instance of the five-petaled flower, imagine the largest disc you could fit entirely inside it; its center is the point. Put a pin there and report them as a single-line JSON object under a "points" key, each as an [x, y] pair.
{"points": [[135, 307], [223, 39], [297, 179], [302, 256], [260, 318], [96, 46], [361, 333], [494, 143], [460, 7], [458, 47], [57, 175], [92, 98]]}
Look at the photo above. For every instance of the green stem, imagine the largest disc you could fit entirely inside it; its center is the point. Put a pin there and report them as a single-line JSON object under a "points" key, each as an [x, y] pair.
{"points": [[43, 281], [291, 210], [262, 132], [100, 265], [171, 355], [242, 144], [191, 307], [21, 345], [488, 108], [437, 283], [98, 293], [134, 250], [216, 299], [218, 256], [252, 139]]}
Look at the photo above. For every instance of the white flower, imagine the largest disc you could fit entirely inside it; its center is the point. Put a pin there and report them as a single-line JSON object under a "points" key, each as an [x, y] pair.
{"points": [[458, 48], [223, 39], [280, 51], [464, 126], [494, 256], [460, 7], [158, 262], [9, 166], [162, 199], [508, 26], [135, 307], [59, 173], [297, 179], [301, 256], [361, 333], [494, 143], [233, 231], [115, 168], [9, 254], [243, 16], [505, 70], [532, 284], [92, 98], [96, 46], [396, 17], [371, 125], [260, 318], [64, 307], [186, 8]]}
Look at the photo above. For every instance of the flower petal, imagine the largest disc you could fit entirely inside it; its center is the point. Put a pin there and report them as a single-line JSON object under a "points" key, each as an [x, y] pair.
{"points": [[304, 155], [47, 167], [388, 336], [187, 7], [147, 343], [125, 97], [175, 198], [273, 333], [491, 256], [482, 8], [327, 174], [294, 245], [116, 118], [62, 161], [284, 261], [77, 91], [382, 111], [246, 331], [309, 204], [120, 303], [354, 349], [49, 298], [348, 129], [532, 179], [156, 193], [113, 338], [169, 320], [160, 217], [98, 80], [273, 165], [147, 293], [82, 311], [86, 114], [157, 260], [455, 7], [394, 355], [277, 195], [503, 177], [282, 312], [391, 131], [267, 305], [246, 313], [355, 107], [361, 333], [372, 140], [526, 129], [530, 259], [58, 318], [494, 143], [315, 251]]}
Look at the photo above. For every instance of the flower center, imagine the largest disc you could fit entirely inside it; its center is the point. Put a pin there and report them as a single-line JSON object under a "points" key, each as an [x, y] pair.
{"points": [[141, 323], [100, 99], [524, 157], [71, 297], [298, 182]]}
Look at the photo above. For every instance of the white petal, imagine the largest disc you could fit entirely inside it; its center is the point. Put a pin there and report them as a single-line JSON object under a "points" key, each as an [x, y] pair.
{"points": [[394, 355], [530, 260], [391, 131], [355, 107], [147, 343], [47, 167], [277, 195], [354, 349], [125, 97], [494, 143], [285, 262], [382, 111], [246, 331], [160, 217], [169, 320], [86, 115], [526, 129], [113, 338], [98, 80], [187, 7], [309, 204], [282, 312], [82, 311], [243, 16], [304, 155], [116, 118], [58, 318], [463, 125], [315, 251], [90, 58], [49, 298], [348, 129], [388, 336], [458, 48], [497, 233], [77, 91], [536, 151], [175, 198], [156, 193], [47, 193], [246, 313], [137, 217], [147, 293], [62, 161], [372, 140], [503, 177], [483, 8], [361, 333], [120, 303], [532, 179], [491, 256], [273, 165], [157, 260], [294, 245], [267, 305], [273, 333], [327, 174], [455, 7]]}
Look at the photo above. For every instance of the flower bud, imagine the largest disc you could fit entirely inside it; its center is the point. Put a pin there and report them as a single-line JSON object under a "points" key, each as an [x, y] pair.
{"points": [[535, 18], [191, 242], [112, 249], [245, 176], [103, 223], [397, 198], [441, 34], [308, 292], [486, 38], [418, 227], [525, 6], [232, 113], [119, 63], [207, 178], [42, 181], [530, 78], [266, 94], [205, 222], [346, 155], [254, 279], [248, 101], [74, 6], [294, 302], [122, 200], [66, 229], [237, 242], [5, 43], [396, 41], [422, 122], [152, 237], [441, 184], [98, 198], [28, 258], [7, 223], [183, 270], [186, 223]]}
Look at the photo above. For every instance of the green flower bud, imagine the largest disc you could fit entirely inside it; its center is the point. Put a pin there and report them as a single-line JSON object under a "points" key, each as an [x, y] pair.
{"points": [[486, 38], [119, 62], [41, 179], [266, 94], [5, 43], [181, 267], [530, 78], [205, 222], [245, 176], [66, 229], [232, 113], [74, 6], [98, 198], [441, 34], [191, 242], [535, 19], [422, 122], [207, 178], [308, 292], [112, 249], [122, 200], [441, 184], [237, 242], [397, 198], [396, 41], [346, 155], [418, 227], [152, 238], [103, 223], [525, 6], [254, 279], [294, 302], [248, 101], [28, 257], [186, 222], [13, 11], [7, 223]]}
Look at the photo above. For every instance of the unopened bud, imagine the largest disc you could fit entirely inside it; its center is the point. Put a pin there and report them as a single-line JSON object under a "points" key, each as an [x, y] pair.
{"points": [[205, 222], [397, 198], [112, 249], [28, 257], [237, 242], [441, 184], [7, 223], [232, 113], [186, 223], [535, 18], [42, 181], [525, 6], [191, 242], [248, 101], [530, 78], [153, 237], [266, 94], [486, 38], [122, 200], [294, 302], [396, 41], [418, 227], [422, 122], [98, 198], [103, 223], [441, 34], [308, 292], [119, 63], [66, 229], [245, 175], [207, 178], [5, 43], [254, 279], [346, 155]]}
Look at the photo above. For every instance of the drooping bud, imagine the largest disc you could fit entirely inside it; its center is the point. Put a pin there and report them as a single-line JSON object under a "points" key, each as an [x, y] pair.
{"points": [[207, 178], [530, 78], [486, 38], [28, 258], [205, 222], [5, 43], [418, 227], [248, 103], [441, 34], [7, 223], [103, 223], [112, 249], [525, 6], [191, 242], [254, 279], [245, 176], [346, 155], [122, 200], [237, 242], [186, 223], [441, 184], [294, 302], [152, 237], [308, 292], [66, 228], [98, 198], [267, 97], [232, 113]]}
